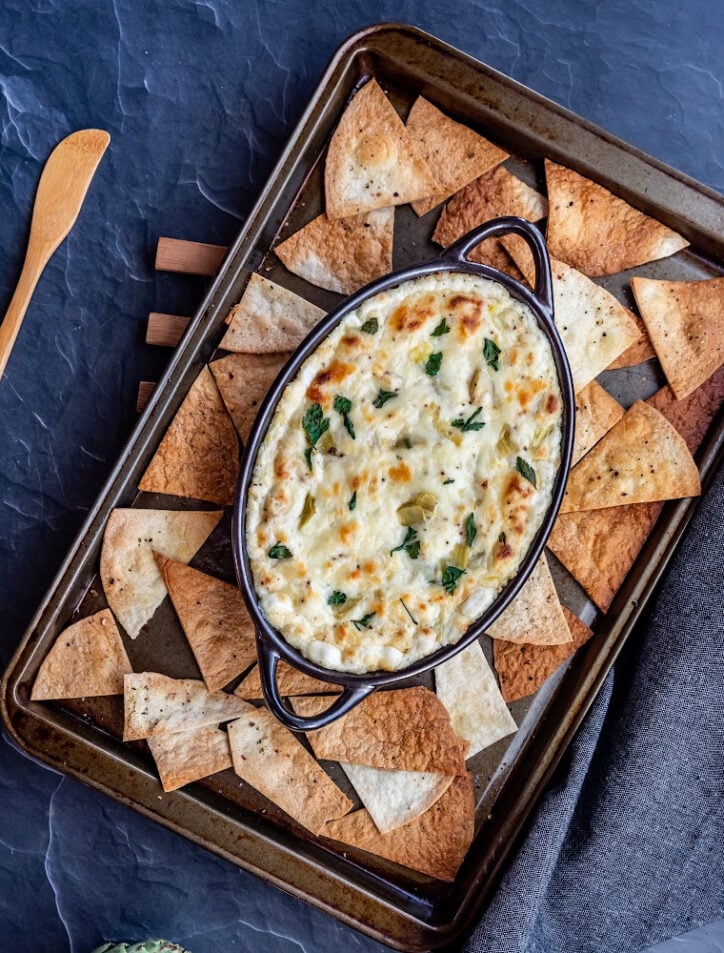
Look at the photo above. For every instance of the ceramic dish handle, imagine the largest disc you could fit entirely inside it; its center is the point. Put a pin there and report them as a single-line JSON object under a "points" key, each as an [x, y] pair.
{"points": [[268, 661], [543, 286]]}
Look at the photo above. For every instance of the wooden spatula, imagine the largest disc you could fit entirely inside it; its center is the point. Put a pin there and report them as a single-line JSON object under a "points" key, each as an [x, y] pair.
{"points": [[61, 190]]}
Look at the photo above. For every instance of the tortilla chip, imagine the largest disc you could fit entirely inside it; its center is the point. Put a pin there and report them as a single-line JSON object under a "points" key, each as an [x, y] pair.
{"points": [[693, 415], [685, 321], [523, 668], [269, 758], [639, 352], [466, 686], [599, 547], [537, 603], [640, 460], [497, 193], [199, 454], [394, 798], [598, 233], [455, 154], [214, 620], [187, 756], [155, 704], [343, 255], [373, 161], [87, 659], [131, 579], [290, 681], [269, 319], [596, 413], [243, 383], [434, 843], [407, 729], [594, 326]]}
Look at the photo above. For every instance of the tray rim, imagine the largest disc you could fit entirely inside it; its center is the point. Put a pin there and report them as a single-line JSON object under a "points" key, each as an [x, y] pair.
{"points": [[433, 934]]}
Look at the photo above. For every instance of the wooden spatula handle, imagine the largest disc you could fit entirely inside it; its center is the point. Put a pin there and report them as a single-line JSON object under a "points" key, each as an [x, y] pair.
{"points": [[32, 270]]}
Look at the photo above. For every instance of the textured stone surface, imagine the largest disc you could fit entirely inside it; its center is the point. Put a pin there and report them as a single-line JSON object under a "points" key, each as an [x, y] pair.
{"points": [[199, 97]]}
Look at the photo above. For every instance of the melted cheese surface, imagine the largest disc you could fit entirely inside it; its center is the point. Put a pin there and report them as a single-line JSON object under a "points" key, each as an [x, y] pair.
{"points": [[447, 496]]}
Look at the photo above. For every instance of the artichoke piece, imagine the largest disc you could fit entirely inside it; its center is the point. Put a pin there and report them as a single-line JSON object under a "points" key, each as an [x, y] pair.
{"points": [[478, 386], [506, 445], [326, 442], [420, 352], [410, 513], [444, 427], [418, 509], [308, 510], [460, 555], [541, 432]]}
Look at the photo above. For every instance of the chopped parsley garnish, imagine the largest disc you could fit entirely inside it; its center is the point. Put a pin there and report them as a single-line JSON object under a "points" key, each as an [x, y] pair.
{"points": [[370, 326], [501, 538], [352, 505], [450, 577], [364, 621], [471, 530], [445, 482], [343, 405], [383, 396], [337, 598], [468, 424], [526, 470], [412, 618], [433, 364], [411, 544], [407, 442], [442, 328], [491, 353], [280, 551], [315, 424]]}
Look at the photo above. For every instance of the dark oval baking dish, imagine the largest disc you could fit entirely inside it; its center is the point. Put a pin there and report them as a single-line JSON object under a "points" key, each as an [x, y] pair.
{"points": [[271, 645]]}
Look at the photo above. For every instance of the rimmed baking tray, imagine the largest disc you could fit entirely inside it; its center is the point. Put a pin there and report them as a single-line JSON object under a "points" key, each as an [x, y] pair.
{"points": [[403, 909]]}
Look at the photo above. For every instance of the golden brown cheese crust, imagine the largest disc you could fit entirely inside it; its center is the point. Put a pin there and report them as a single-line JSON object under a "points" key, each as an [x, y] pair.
{"points": [[405, 473]]}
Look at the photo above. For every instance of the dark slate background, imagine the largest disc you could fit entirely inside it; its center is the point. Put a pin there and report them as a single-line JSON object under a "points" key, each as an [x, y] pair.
{"points": [[199, 97]]}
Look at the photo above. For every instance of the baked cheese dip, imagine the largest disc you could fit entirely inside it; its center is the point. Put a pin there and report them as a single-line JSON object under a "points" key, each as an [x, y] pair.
{"points": [[405, 473]]}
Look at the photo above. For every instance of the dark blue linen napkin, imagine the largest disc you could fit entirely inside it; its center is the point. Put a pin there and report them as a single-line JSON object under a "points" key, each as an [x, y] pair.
{"points": [[627, 846]]}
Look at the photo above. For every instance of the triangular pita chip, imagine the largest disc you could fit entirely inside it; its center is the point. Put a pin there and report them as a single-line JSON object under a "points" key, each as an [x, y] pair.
{"points": [[434, 843], [186, 756], [685, 321], [597, 232], [155, 704], [535, 615], [131, 579], [199, 454], [290, 681], [490, 196], [466, 686], [454, 152], [594, 326], [407, 729], [269, 319], [598, 547], [394, 798], [214, 619], [243, 382], [269, 758], [640, 460], [372, 160], [87, 659], [639, 352], [522, 668], [693, 415], [596, 413], [341, 255]]}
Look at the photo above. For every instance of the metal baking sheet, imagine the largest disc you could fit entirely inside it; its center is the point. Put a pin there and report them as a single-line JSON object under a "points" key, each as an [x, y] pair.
{"points": [[406, 910]]}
